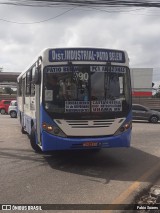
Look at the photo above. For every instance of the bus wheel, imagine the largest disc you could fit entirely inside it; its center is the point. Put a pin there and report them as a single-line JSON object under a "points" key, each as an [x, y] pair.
{"points": [[33, 141]]}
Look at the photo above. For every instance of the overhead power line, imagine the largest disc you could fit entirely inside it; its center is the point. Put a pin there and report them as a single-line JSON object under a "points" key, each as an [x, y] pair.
{"points": [[37, 22], [118, 5], [97, 3]]}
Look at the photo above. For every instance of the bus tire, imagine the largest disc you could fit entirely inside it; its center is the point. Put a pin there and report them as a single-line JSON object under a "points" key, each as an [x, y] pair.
{"points": [[23, 130], [34, 146]]}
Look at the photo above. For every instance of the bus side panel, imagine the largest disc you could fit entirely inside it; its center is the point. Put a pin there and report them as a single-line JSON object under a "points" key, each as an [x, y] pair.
{"points": [[27, 113]]}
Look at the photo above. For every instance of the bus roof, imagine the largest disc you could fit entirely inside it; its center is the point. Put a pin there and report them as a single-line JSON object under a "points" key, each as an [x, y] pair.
{"points": [[81, 54]]}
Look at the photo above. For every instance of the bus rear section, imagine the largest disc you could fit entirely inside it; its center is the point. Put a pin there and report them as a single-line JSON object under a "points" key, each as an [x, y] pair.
{"points": [[84, 100]]}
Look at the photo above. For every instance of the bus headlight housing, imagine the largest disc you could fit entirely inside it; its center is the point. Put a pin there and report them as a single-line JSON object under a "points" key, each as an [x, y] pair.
{"points": [[125, 126], [54, 130]]}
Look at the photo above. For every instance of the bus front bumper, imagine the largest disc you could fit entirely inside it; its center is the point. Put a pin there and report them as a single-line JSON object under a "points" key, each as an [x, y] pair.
{"points": [[51, 142]]}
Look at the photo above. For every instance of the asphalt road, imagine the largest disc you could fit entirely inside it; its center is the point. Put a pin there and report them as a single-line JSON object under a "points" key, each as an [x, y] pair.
{"points": [[111, 176]]}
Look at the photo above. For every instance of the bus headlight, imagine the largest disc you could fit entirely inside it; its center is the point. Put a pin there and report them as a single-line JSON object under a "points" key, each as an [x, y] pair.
{"points": [[54, 130], [123, 128]]}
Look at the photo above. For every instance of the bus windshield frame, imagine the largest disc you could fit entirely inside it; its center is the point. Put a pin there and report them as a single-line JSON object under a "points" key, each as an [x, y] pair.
{"points": [[86, 91]]}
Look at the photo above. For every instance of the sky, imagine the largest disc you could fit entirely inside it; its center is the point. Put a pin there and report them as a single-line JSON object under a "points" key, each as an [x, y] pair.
{"points": [[24, 33]]}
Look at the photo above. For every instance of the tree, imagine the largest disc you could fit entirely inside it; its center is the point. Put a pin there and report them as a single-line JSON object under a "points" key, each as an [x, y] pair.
{"points": [[157, 95]]}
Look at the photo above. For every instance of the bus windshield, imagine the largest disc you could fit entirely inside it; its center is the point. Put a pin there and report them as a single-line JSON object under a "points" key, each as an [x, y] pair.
{"points": [[86, 91]]}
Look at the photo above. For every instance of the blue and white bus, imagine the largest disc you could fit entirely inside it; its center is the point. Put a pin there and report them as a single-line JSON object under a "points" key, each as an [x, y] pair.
{"points": [[76, 98]]}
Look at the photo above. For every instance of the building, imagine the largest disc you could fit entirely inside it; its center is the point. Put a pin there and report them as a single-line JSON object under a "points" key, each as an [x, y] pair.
{"points": [[1, 90], [8, 79], [141, 81]]}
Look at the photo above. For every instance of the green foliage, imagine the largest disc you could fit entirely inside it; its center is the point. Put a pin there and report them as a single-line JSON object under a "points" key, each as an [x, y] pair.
{"points": [[157, 95]]}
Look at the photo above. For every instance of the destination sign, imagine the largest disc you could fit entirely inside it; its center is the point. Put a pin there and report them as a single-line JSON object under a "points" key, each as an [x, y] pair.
{"points": [[96, 106], [111, 69], [77, 106], [93, 68], [107, 106], [88, 54]]}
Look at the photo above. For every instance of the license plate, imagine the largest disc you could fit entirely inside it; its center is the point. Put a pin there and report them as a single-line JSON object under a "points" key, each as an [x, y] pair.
{"points": [[90, 144]]}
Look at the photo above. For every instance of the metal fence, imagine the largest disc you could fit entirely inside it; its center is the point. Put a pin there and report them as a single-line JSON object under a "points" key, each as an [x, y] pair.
{"points": [[151, 102], [7, 96]]}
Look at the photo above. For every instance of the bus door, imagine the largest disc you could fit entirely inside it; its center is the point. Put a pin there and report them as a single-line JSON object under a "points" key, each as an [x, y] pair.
{"points": [[23, 101], [35, 101], [37, 112]]}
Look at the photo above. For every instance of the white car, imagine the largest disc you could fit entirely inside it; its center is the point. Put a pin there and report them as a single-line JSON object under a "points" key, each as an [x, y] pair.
{"points": [[12, 110]]}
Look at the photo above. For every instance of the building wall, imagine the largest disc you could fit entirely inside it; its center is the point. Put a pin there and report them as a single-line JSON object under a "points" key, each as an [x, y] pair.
{"points": [[1, 90], [141, 80]]}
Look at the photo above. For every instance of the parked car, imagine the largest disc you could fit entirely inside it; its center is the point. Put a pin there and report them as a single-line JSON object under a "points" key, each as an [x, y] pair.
{"points": [[4, 104], [12, 110], [140, 112]]}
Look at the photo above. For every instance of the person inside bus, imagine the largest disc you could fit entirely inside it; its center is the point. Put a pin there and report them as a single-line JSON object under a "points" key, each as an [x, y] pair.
{"points": [[52, 84], [114, 87]]}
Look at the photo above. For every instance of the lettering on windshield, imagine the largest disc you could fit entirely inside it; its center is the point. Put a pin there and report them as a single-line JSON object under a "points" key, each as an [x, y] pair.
{"points": [[97, 106], [77, 106], [111, 69], [106, 106], [93, 68]]}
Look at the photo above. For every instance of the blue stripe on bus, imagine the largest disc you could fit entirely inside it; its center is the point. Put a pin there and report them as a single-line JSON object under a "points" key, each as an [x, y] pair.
{"points": [[51, 142]]}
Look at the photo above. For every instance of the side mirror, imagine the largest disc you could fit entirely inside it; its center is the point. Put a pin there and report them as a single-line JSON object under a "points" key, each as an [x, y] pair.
{"points": [[36, 75], [36, 72]]}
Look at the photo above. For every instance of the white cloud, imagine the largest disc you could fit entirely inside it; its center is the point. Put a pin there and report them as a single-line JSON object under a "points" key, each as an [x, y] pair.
{"points": [[135, 32]]}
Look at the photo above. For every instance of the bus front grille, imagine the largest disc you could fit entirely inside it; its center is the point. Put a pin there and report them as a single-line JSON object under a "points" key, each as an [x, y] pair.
{"points": [[89, 123], [89, 128]]}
